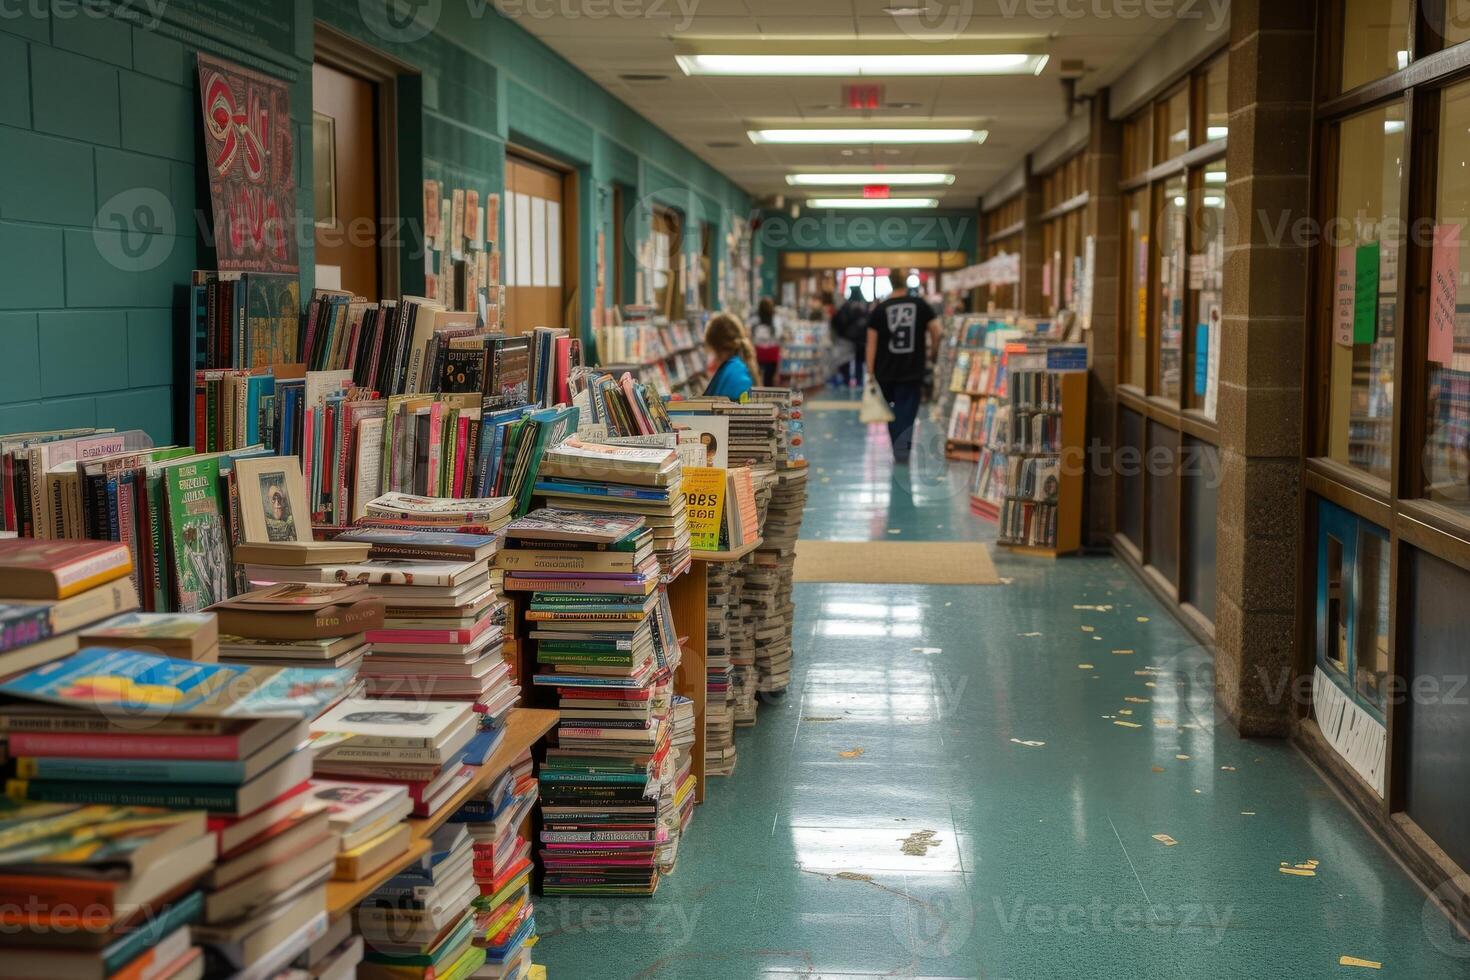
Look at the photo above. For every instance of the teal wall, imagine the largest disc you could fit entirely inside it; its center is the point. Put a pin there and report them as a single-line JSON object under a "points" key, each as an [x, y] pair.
{"points": [[859, 231], [100, 189]]}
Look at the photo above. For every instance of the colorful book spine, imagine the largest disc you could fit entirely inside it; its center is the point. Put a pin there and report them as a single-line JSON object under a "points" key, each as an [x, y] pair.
{"points": [[62, 768], [123, 746]]}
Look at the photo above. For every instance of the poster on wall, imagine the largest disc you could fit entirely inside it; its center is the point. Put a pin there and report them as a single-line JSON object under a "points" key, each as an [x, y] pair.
{"points": [[250, 152], [1444, 292]]}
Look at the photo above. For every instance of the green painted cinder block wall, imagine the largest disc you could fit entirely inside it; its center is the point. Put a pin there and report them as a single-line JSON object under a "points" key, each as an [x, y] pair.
{"points": [[101, 195]]}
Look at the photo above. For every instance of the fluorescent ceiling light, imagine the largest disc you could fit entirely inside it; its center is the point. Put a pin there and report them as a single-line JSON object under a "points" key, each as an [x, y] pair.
{"points": [[862, 65], [861, 180], [1216, 132], [846, 134], [1214, 176], [872, 203], [1393, 125]]}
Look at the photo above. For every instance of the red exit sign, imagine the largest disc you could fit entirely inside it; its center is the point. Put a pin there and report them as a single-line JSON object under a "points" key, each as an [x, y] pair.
{"points": [[875, 190], [862, 96]]}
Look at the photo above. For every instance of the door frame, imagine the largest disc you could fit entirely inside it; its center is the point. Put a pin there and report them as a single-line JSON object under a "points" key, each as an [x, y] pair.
{"points": [[347, 54]]}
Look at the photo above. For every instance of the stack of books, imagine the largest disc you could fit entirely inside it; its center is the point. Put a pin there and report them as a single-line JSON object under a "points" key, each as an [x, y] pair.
{"points": [[298, 624], [719, 706], [102, 891], [776, 559], [504, 916], [742, 624], [676, 797], [760, 596], [643, 481], [753, 438], [474, 515], [335, 956], [422, 921], [187, 636], [123, 728], [367, 819], [604, 642], [50, 590], [420, 746]]}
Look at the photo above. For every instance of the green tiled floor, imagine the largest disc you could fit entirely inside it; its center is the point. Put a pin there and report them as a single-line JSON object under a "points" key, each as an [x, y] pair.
{"points": [[945, 849]]}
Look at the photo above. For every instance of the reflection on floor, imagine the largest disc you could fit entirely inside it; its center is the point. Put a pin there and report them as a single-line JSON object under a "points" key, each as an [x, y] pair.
{"points": [[973, 782]]}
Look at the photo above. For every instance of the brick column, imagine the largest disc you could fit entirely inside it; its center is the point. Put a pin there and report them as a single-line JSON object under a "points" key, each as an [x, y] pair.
{"points": [[1033, 249], [1102, 167], [1262, 354]]}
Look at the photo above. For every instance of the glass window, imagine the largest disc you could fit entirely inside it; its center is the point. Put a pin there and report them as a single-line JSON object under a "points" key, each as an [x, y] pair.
{"points": [[1173, 125], [1207, 282], [1456, 24], [1217, 106], [1370, 639], [1135, 305], [1447, 432], [1375, 40], [1364, 240], [1172, 263]]}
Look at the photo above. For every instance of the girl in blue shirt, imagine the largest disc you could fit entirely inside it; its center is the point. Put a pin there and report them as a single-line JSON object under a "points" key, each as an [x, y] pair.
{"points": [[734, 356]]}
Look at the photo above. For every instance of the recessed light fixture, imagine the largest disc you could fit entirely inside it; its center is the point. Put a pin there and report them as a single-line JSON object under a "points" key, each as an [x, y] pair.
{"points": [[862, 65], [864, 179], [853, 134], [899, 10], [872, 203]]}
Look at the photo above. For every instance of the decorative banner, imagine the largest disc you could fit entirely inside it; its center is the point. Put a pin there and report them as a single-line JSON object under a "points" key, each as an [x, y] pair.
{"points": [[1365, 295], [1343, 297], [1444, 291], [250, 152], [704, 494]]}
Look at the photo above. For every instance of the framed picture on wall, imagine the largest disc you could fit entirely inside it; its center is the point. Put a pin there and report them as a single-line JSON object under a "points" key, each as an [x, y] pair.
{"points": [[273, 502]]}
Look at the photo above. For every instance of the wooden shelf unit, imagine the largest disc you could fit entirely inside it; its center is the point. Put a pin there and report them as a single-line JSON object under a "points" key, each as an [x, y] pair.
{"points": [[1070, 452]]}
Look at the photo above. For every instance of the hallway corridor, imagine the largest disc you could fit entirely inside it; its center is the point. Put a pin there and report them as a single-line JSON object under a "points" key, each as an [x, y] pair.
{"points": [[975, 781]]}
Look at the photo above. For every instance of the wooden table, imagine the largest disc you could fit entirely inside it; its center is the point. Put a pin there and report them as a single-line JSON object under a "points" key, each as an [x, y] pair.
{"points": [[523, 729], [689, 599]]}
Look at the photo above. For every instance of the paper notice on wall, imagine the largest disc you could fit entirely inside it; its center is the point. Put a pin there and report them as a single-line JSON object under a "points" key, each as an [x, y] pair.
{"points": [[1046, 279], [454, 234], [431, 209], [1344, 285], [1444, 291], [509, 258], [523, 241], [1201, 358], [1365, 294], [538, 241], [1089, 271], [553, 244]]}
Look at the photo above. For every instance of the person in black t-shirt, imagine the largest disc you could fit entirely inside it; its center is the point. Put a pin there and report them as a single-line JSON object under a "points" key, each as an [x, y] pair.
{"points": [[903, 336]]}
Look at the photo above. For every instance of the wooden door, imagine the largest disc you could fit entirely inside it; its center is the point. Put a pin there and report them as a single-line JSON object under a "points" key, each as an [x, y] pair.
{"points": [[538, 221], [345, 179]]}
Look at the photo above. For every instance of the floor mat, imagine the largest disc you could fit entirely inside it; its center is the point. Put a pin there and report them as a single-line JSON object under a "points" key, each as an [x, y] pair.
{"points": [[912, 562]]}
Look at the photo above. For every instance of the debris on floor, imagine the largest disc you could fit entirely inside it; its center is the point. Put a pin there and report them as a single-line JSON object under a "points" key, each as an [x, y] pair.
{"points": [[852, 753], [918, 843], [1354, 961], [1165, 839]]}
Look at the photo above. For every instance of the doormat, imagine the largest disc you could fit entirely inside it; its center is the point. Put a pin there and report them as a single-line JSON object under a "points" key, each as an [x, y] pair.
{"points": [[833, 405], [907, 562]]}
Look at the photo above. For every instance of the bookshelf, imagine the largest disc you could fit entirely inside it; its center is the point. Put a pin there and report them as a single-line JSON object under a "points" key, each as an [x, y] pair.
{"points": [[971, 370], [1028, 478], [665, 354], [806, 351], [524, 727]]}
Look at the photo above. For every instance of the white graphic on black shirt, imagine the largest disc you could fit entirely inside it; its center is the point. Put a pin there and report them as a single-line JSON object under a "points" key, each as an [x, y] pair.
{"points": [[901, 332]]}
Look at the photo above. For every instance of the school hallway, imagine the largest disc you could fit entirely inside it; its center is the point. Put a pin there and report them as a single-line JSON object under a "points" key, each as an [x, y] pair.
{"points": [[969, 781]]}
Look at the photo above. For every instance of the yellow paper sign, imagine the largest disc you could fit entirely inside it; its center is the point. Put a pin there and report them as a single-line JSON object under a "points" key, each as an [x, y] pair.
{"points": [[704, 495]]}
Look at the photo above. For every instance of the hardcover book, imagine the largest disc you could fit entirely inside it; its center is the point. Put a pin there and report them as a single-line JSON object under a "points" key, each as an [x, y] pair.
{"points": [[201, 552]]}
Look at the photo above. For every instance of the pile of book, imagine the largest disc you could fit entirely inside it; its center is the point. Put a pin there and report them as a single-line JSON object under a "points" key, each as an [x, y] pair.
{"points": [[366, 818], [187, 636], [719, 707], [753, 435], [421, 922], [102, 891], [623, 406], [123, 729], [51, 590], [299, 624], [775, 563], [676, 795], [604, 642], [420, 746], [442, 637], [643, 481], [505, 926]]}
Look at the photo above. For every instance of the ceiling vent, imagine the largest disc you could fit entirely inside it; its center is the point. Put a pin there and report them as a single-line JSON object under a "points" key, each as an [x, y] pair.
{"points": [[641, 77]]}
